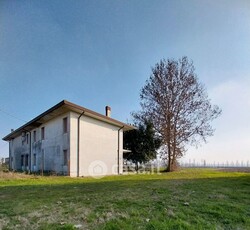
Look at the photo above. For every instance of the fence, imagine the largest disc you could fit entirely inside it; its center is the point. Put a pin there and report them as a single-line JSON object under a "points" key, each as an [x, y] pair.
{"points": [[205, 164]]}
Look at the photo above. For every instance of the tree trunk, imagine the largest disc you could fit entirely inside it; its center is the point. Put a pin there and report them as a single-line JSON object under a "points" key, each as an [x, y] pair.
{"points": [[172, 165], [169, 164], [169, 168]]}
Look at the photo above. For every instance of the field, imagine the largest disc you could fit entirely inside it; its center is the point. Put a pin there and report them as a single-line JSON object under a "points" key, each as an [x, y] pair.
{"points": [[187, 199]]}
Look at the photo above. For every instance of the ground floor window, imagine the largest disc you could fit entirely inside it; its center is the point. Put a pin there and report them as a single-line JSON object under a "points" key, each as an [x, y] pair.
{"points": [[26, 160], [34, 159], [65, 157], [22, 160]]}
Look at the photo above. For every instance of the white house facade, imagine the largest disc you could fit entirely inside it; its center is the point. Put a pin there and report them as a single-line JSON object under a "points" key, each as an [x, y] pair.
{"points": [[69, 139]]}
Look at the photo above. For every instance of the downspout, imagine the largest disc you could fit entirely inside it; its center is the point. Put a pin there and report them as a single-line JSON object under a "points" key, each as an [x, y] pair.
{"points": [[78, 143], [118, 151], [29, 150], [10, 154], [30, 154]]}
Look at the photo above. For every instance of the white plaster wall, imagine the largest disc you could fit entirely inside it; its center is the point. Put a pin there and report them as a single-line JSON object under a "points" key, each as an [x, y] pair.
{"points": [[98, 143], [98, 147], [53, 145], [73, 143], [17, 148]]}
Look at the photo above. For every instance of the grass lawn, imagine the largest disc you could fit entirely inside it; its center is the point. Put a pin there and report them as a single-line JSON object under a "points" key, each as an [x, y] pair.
{"points": [[188, 199]]}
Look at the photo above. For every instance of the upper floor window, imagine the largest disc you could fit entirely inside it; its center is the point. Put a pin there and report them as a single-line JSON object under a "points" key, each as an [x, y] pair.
{"points": [[34, 136], [42, 133], [65, 125], [27, 138]]}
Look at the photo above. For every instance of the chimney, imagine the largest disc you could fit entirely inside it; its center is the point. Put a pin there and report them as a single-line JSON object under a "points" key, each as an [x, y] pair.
{"points": [[108, 111], [12, 130]]}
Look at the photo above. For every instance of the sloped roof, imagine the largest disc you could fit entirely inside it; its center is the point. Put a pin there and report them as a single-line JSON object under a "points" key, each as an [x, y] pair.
{"points": [[60, 108]]}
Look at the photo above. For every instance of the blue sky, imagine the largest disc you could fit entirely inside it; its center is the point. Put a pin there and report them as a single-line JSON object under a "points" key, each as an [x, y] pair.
{"points": [[97, 53]]}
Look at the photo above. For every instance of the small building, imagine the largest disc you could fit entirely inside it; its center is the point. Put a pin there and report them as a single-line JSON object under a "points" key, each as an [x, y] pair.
{"points": [[6, 160], [69, 139]]}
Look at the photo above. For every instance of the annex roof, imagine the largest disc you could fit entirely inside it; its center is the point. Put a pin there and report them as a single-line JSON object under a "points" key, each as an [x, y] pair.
{"points": [[61, 108]]}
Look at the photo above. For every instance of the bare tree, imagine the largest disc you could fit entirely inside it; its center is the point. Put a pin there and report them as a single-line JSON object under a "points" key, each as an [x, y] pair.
{"points": [[178, 105]]}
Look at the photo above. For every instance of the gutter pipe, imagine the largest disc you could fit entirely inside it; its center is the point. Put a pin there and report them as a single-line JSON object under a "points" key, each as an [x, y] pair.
{"points": [[118, 151], [78, 142], [29, 150], [10, 149]]}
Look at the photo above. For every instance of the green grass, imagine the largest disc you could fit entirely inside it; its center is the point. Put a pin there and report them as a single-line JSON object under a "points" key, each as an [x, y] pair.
{"points": [[188, 199]]}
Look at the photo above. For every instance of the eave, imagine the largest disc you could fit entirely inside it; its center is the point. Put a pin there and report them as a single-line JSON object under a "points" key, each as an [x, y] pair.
{"points": [[61, 108]]}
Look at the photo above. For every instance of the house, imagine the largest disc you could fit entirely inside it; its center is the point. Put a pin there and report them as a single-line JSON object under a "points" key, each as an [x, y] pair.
{"points": [[69, 139]]}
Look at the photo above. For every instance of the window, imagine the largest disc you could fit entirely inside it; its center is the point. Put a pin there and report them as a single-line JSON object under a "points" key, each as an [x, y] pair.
{"points": [[27, 138], [65, 157], [34, 159], [42, 160], [42, 133], [26, 160], [34, 136], [65, 125], [22, 160]]}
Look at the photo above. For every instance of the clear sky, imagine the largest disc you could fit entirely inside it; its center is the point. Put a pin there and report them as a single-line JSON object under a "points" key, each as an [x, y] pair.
{"points": [[98, 53]]}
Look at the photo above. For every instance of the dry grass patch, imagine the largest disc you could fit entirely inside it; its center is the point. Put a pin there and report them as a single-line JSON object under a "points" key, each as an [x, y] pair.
{"points": [[14, 175]]}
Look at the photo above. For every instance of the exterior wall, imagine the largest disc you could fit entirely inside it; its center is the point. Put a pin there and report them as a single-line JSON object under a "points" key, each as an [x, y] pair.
{"points": [[49, 152], [18, 147], [73, 143], [98, 147]]}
